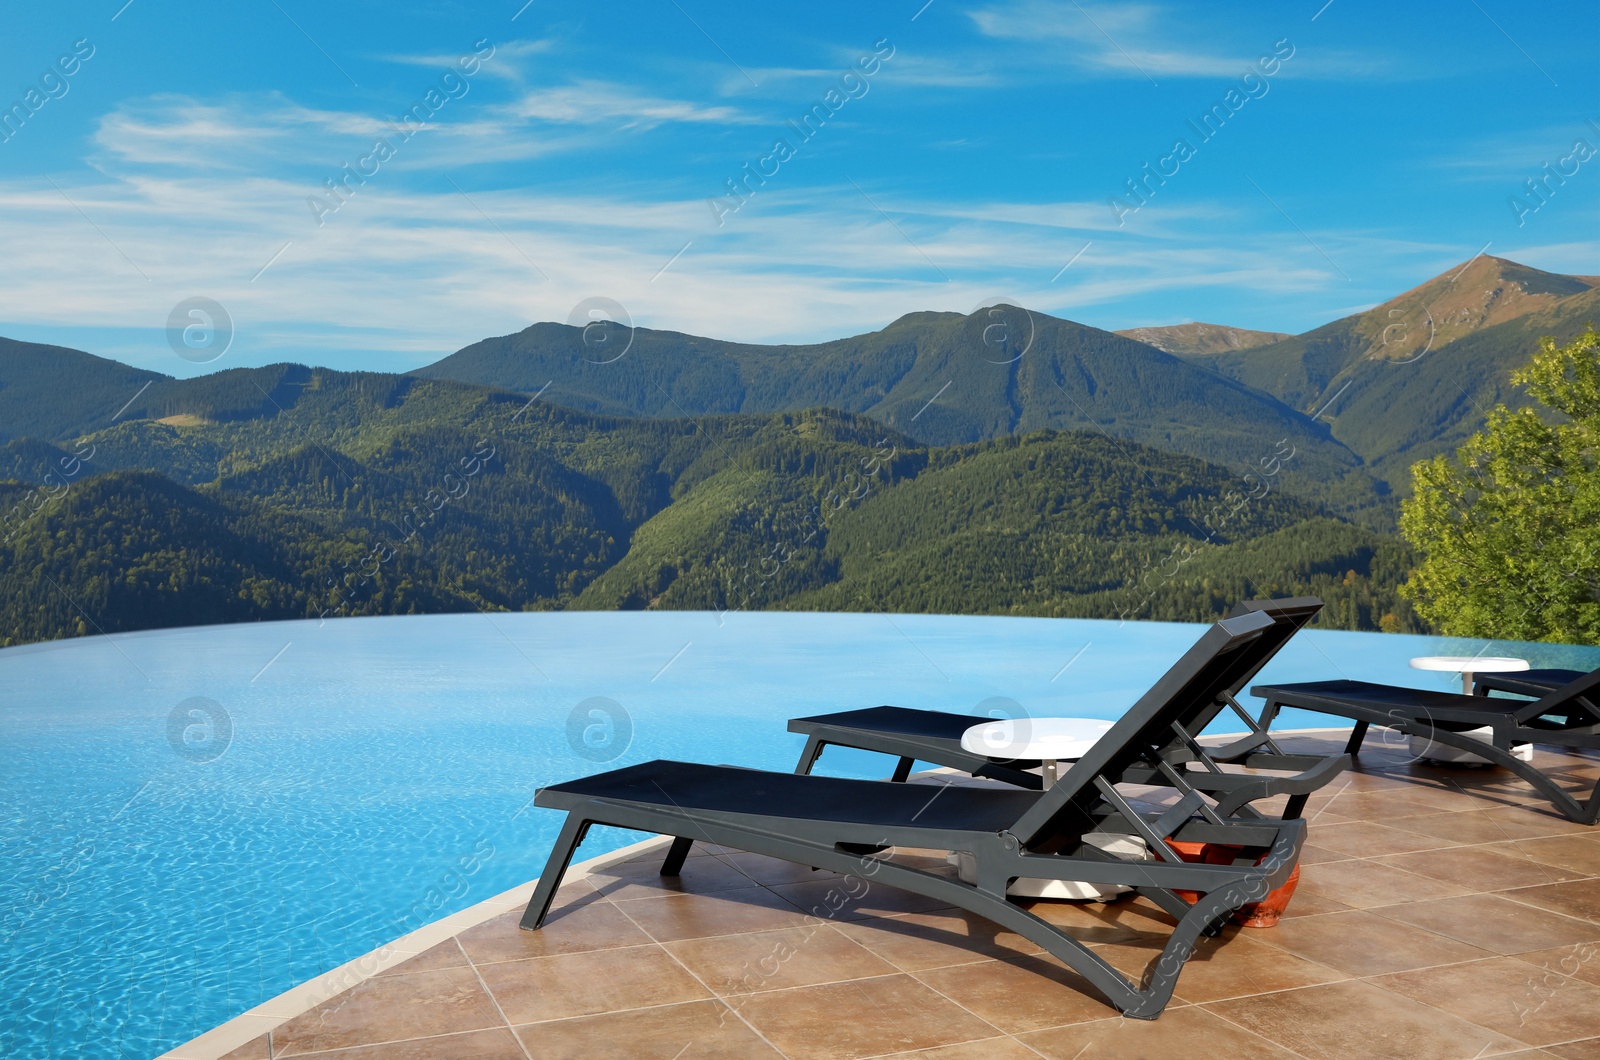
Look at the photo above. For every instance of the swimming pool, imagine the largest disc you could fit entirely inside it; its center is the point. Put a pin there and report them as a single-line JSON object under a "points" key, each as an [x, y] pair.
{"points": [[195, 820]]}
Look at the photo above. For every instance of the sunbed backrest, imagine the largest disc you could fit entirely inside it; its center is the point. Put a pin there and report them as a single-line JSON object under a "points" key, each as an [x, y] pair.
{"points": [[1562, 699], [1189, 688], [1289, 615]]}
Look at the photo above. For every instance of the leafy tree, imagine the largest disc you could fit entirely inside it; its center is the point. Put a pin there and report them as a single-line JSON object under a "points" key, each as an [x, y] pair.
{"points": [[1510, 528]]}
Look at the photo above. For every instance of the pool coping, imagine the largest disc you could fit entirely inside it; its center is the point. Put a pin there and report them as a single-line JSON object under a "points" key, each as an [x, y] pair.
{"points": [[298, 1000]]}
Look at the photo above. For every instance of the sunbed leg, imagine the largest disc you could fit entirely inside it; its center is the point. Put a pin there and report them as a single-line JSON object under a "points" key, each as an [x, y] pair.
{"points": [[567, 843], [675, 856], [809, 756], [1295, 807], [1357, 734], [902, 770]]}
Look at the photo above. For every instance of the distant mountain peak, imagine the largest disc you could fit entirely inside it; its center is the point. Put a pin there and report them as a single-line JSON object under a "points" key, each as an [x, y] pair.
{"points": [[1478, 293], [1196, 337]]}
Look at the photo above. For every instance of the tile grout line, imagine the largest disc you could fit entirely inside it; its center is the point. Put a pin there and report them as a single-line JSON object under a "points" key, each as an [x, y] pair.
{"points": [[716, 997], [1239, 1026], [1001, 1031], [484, 986], [1519, 1043]]}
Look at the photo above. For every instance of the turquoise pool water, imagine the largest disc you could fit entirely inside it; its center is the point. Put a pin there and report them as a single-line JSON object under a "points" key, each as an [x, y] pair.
{"points": [[193, 821]]}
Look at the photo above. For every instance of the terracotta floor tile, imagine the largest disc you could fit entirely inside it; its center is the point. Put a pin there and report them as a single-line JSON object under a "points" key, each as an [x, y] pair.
{"points": [[1576, 852], [1131, 956], [705, 875], [772, 960], [1312, 854], [696, 1028], [497, 1044], [1476, 826], [445, 955], [1104, 921], [1382, 806], [1588, 1049], [1306, 903], [583, 984], [867, 1017], [575, 929], [1580, 898], [1358, 1021], [1580, 960], [690, 916], [1479, 868], [1541, 819], [985, 1049], [1360, 943], [768, 871], [391, 1008], [916, 941], [1180, 1032], [255, 1049], [1368, 885], [1494, 923], [852, 898], [1021, 993], [1365, 839], [1360, 781], [1507, 996], [1239, 962]]}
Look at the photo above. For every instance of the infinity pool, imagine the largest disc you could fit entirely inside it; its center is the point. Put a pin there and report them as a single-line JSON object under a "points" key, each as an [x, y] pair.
{"points": [[195, 820]]}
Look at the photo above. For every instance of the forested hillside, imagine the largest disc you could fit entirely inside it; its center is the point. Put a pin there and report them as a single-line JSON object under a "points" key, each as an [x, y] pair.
{"points": [[941, 378], [292, 492], [1001, 462]]}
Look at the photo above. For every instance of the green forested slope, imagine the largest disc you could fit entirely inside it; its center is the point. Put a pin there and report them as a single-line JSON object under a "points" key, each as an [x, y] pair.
{"points": [[1415, 376], [1051, 523], [942, 378]]}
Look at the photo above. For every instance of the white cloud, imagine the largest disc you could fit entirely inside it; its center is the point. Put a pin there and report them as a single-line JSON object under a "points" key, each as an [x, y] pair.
{"points": [[252, 133], [1112, 38], [421, 273], [510, 60], [603, 102]]}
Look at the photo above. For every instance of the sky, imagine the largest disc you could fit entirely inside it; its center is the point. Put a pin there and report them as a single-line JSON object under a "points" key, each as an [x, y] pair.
{"points": [[256, 157]]}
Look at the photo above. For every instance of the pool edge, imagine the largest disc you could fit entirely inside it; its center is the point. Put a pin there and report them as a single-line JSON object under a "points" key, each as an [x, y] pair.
{"points": [[297, 1000]]}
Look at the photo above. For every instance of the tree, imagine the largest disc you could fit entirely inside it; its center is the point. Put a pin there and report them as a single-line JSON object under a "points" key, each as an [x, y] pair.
{"points": [[1509, 528]]}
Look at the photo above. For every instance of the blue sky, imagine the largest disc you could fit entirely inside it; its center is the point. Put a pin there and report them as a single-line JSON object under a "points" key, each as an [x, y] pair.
{"points": [[972, 152]]}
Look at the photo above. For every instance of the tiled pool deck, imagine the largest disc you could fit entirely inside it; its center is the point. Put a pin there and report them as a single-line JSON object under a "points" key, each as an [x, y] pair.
{"points": [[1442, 912]]}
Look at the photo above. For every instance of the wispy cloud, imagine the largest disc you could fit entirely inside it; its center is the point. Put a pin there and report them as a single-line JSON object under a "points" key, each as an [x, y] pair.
{"points": [[268, 132], [1134, 40], [419, 273], [604, 102], [512, 60]]}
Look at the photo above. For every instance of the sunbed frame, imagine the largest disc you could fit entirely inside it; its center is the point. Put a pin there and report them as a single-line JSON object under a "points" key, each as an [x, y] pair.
{"points": [[1012, 833], [935, 736], [1565, 717]]}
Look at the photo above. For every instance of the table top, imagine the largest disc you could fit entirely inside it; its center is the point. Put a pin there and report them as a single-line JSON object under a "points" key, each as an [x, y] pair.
{"points": [[1044, 738], [1469, 664]]}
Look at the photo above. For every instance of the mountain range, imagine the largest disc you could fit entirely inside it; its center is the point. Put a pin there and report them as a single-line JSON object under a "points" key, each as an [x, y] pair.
{"points": [[1005, 461]]}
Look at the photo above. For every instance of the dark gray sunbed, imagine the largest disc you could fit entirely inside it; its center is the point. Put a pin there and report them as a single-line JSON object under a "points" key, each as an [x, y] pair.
{"points": [[1012, 833], [1530, 683], [935, 736], [1566, 717]]}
